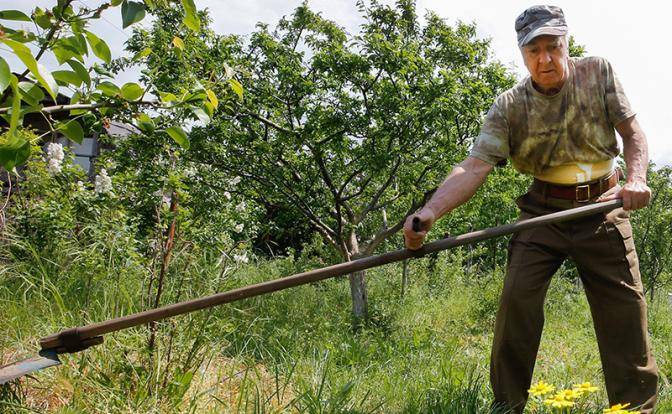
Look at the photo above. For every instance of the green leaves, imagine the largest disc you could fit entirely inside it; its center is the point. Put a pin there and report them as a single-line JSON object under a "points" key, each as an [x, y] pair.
{"points": [[145, 123], [5, 75], [178, 43], [132, 91], [109, 89], [16, 105], [99, 47], [236, 87], [167, 97], [15, 150], [30, 93], [132, 12], [212, 98], [70, 47], [179, 136], [191, 19], [41, 18], [142, 54], [40, 72], [66, 77], [81, 71], [14, 15], [73, 130]]}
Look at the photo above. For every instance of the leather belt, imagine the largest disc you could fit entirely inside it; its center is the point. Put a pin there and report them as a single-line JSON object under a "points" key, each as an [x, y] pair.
{"points": [[583, 192]]}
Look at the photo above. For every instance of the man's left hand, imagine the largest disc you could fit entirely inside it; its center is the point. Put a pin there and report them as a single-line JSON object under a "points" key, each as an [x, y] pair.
{"points": [[635, 194]]}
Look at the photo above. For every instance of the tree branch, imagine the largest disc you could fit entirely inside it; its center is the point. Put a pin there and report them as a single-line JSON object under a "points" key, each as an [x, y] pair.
{"points": [[332, 136], [384, 233], [64, 108], [50, 35], [362, 187], [348, 179], [270, 123], [379, 193], [326, 177]]}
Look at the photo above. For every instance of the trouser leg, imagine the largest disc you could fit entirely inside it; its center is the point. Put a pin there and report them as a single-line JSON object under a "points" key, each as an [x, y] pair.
{"points": [[520, 318], [607, 262]]}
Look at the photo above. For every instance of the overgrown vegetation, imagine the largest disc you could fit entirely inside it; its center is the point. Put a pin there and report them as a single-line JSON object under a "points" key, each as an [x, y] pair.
{"points": [[291, 351], [314, 159]]}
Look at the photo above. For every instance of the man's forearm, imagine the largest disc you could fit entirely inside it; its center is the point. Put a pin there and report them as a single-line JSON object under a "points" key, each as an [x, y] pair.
{"points": [[635, 149], [460, 185]]}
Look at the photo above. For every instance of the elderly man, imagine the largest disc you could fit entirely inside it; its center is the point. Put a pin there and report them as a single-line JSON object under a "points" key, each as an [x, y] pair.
{"points": [[558, 125]]}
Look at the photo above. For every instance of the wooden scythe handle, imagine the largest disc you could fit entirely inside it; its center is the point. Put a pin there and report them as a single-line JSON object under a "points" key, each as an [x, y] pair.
{"points": [[87, 332]]}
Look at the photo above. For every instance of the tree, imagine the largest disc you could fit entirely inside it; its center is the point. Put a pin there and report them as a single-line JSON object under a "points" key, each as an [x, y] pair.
{"points": [[94, 97], [651, 227], [575, 49], [353, 133], [159, 109]]}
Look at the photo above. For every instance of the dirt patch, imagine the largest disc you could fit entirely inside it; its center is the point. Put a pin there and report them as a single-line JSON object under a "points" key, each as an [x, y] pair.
{"points": [[219, 385], [223, 384]]}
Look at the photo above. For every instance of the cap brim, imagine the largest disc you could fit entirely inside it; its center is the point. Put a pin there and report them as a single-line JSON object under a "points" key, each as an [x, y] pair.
{"points": [[554, 31]]}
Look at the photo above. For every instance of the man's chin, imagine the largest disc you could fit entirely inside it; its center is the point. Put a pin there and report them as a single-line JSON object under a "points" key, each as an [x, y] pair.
{"points": [[548, 81]]}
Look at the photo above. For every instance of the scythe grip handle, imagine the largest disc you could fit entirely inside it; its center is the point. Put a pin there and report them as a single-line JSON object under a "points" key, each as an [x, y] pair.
{"points": [[71, 341], [417, 224]]}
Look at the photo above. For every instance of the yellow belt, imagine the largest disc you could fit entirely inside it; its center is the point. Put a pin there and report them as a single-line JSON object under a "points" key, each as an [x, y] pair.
{"points": [[576, 173]]}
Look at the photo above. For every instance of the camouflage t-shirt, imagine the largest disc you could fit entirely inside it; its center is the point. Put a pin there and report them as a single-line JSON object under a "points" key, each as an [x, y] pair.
{"points": [[537, 131]]}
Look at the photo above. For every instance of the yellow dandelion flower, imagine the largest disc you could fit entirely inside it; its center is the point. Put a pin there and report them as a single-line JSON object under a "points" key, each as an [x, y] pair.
{"points": [[570, 394], [619, 409], [558, 401], [585, 387], [541, 388]]}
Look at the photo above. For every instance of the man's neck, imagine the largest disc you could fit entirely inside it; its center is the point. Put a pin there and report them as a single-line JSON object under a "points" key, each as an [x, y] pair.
{"points": [[550, 90]]}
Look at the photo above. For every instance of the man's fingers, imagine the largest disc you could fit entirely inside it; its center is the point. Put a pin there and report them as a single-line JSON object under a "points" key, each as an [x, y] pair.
{"points": [[413, 246], [610, 197], [627, 201], [640, 200], [417, 235], [636, 201], [413, 240]]}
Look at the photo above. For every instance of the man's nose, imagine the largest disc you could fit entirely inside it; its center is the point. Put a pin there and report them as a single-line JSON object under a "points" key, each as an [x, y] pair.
{"points": [[544, 57]]}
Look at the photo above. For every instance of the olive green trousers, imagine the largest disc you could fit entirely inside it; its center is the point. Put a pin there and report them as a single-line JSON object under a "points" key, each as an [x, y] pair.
{"points": [[603, 250]]}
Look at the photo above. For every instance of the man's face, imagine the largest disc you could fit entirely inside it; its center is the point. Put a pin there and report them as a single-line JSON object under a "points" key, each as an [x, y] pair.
{"points": [[546, 58]]}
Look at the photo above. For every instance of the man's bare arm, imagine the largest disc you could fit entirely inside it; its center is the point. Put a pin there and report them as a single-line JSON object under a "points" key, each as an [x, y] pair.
{"points": [[460, 185], [635, 193]]}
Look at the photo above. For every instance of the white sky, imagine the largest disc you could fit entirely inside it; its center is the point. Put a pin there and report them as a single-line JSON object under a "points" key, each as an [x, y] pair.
{"points": [[627, 34]]}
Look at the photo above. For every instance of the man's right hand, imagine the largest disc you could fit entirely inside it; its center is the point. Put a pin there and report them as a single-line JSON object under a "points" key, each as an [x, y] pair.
{"points": [[413, 239]]}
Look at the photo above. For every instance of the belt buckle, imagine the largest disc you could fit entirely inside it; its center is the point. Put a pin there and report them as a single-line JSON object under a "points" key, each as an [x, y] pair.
{"points": [[579, 187]]}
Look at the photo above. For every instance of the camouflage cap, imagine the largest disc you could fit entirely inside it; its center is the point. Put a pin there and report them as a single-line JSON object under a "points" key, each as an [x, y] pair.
{"points": [[540, 20]]}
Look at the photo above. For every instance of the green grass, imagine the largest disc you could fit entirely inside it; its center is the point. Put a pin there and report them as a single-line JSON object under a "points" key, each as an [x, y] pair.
{"points": [[291, 351]]}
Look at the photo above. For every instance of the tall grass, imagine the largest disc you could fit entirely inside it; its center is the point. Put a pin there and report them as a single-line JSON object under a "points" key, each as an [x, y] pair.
{"points": [[291, 351]]}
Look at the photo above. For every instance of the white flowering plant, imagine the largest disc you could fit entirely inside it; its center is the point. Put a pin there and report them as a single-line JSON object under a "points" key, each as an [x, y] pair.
{"points": [[59, 202], [159, 184]]}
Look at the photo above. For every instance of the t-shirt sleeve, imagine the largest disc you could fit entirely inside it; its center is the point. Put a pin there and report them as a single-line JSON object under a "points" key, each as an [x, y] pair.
{"points": [[492, 143], [618, 106]]}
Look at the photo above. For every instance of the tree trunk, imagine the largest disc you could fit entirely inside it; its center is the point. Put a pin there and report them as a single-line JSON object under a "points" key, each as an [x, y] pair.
{"points": [[359, 298], [357, 286]]}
